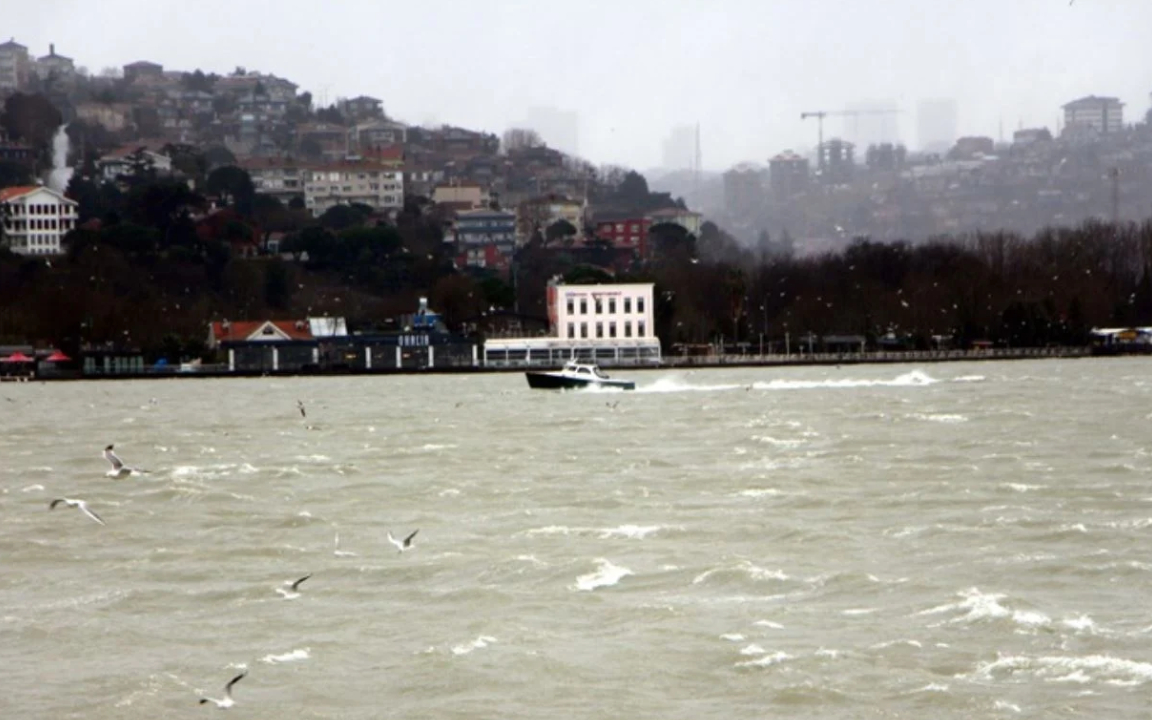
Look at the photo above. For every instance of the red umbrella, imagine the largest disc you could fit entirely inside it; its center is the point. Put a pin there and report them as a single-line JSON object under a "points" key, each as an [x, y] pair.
{"points": [[57, 356], [17, 357]]}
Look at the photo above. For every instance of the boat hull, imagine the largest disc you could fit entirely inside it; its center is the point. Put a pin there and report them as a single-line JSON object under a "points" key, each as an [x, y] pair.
{"points": [[556, 381]]}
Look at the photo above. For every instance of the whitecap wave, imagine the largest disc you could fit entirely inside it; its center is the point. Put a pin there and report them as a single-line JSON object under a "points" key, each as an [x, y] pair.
{"points": [[950, 418], [766, 660], [1070, 668], [297, 654], [632, 532], [606, 575], [758, 492], [916, 378], [978, 606], [744, 568], [480, 642]]}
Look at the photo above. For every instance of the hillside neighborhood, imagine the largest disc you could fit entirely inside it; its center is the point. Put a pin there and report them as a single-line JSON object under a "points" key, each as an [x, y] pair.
{"points": [[143, 205]]}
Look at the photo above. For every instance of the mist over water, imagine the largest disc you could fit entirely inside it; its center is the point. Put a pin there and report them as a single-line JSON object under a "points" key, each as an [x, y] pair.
{"points": [[946, 541]]}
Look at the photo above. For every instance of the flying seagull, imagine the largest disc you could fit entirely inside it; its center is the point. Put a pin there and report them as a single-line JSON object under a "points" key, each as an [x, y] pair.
{"points": [[119, 469], [300, 407], [404, 544], [291, 592], [226, 701], [80, 504]]}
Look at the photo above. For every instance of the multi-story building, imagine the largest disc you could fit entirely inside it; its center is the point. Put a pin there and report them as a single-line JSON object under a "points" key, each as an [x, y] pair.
{"points": [[686, 219], [421, 180], [606, 324], [361, 108], [1105, 115], [464, 195], [124, 161], [344, 183], [541, 212], [282, 179], [142, 69], [788, 174], [275, 89], [55, 68], [113, 117], [837, 159], [379, 133], [937, 124], [330, 140], [625, 232], [15, 66], [743, 189], [35, 219], [485, 238], [16, 152]]}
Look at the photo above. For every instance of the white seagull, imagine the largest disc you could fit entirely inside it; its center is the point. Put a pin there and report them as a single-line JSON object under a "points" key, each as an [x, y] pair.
{"points": [[404, 544], [291, 592], [300, 407], [119, 469], [79, 504], [226, 701]]}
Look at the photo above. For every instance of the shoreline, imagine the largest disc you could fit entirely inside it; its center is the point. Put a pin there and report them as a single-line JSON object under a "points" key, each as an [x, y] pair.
{"points": [[666, 363]]}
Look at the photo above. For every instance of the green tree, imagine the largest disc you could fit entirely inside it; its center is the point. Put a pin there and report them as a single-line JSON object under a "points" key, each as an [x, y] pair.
{"points": [[32, 119], [233, 186], [342, 217], [13, 174], [311, 149], [561, 230], [197, 80], [278, 285], [218, 156]]}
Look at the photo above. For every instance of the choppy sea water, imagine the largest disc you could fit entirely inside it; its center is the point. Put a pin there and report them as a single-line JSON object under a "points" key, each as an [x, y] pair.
{"points": [[946, 541]]}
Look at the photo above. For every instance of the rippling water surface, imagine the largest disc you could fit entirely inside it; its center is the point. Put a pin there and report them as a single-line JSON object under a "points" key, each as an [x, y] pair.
{"points": [[946, 541]]}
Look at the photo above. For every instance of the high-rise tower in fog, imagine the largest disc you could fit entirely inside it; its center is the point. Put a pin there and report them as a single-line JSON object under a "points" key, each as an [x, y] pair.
{"points": [[937, 124], [559, 129]]}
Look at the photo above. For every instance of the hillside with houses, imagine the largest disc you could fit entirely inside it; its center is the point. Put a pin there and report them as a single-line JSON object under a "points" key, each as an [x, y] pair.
{"points": [[143, 203]]}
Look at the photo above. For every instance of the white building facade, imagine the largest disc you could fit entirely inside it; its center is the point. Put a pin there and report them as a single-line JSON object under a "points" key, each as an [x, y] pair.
{"points": [[382, 189], [36, 219], [606, 324]]}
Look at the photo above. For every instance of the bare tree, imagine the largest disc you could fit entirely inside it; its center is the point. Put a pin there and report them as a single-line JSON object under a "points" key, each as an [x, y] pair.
{"points": [[520, 138]]}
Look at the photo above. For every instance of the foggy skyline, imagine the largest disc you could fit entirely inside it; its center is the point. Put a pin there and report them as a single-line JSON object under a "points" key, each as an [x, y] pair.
{"points": [[633, 70]]}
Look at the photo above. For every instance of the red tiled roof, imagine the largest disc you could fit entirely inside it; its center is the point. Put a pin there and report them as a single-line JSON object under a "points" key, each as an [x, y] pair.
{"points": [[11, 193], [241, 330]]}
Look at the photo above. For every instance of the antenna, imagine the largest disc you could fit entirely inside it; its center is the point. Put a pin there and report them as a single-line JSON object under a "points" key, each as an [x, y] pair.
{"points": [[696, 162]]}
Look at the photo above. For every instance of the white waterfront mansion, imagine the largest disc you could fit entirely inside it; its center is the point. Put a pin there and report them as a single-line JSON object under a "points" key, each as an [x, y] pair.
{"points": [[606, 324], [35, 219]]}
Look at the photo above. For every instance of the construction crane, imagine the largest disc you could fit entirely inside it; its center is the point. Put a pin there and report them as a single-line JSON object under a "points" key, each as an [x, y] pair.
{"points": [[821, 114]]}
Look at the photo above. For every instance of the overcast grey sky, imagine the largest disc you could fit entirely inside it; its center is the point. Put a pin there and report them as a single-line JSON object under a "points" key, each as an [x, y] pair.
{"points": [[633, 69]]}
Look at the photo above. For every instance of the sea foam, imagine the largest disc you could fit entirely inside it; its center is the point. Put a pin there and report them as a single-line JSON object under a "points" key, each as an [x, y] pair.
{"points": [[605, 575]]}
